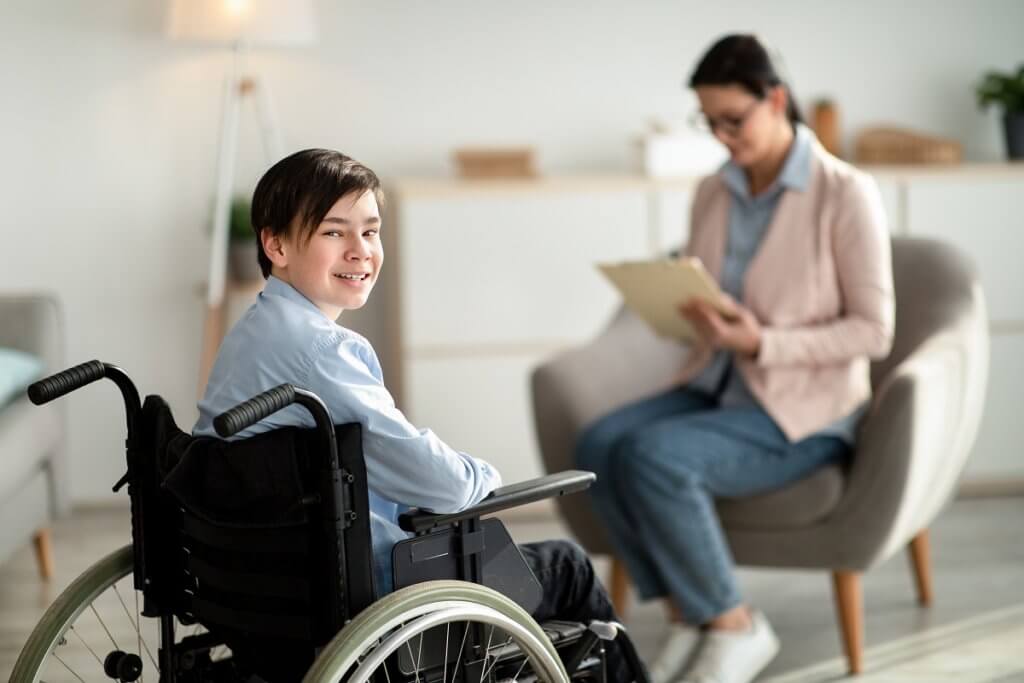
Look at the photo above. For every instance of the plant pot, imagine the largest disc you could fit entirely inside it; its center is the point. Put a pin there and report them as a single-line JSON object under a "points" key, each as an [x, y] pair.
{"points": [[243, 265], [1013, 123]]}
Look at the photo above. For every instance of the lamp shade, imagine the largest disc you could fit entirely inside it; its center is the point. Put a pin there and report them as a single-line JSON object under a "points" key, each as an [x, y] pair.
{"points": [[249, 22]]}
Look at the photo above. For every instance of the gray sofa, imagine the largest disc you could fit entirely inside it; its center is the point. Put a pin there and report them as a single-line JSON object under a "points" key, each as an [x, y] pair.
{"points": [[33, 466]]}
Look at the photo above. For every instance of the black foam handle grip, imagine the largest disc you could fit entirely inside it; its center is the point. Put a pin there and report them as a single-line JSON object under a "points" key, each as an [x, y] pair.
{"points": [[255, 409], [66, 381]]}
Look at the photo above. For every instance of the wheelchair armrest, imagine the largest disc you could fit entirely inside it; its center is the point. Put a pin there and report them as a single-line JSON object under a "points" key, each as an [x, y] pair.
{"points": [[513, 495]]}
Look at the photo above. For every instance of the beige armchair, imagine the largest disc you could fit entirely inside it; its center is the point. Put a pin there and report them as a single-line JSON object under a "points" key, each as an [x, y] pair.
{"points": [[911, 448]]}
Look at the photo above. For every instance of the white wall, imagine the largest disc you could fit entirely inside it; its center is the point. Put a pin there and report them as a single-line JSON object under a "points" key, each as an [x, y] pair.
{"points": [[109, 132]]}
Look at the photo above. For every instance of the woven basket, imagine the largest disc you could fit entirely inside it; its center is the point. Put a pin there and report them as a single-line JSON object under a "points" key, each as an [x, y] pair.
{"points": [[899, 146]]}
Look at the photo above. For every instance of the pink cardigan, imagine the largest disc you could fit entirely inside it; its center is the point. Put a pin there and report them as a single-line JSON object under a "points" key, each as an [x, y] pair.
{"points": [[821, 286]]}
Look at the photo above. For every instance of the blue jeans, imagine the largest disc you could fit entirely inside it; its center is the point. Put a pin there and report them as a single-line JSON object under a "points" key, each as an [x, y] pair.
{"points": [[661, 462]]}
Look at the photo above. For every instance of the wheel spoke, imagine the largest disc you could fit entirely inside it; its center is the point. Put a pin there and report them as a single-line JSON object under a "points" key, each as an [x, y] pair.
{"points": [[416, 664], [458, 658], [92, 606], [68, 667], [521, 667], [447, 632], [135, 623], [138, 632], [82, 640], [487, 649], [494, 663]]}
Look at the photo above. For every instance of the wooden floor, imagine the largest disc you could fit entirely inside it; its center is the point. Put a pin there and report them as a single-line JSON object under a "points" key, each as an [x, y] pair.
{"points": [[974, 631]]}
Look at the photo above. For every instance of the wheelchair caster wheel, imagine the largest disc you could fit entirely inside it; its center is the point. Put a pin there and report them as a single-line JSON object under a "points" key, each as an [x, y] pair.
{"points": [[121, 666]]}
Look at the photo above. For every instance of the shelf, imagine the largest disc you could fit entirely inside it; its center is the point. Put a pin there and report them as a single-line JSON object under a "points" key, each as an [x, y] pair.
{"points": [[440, 187]]}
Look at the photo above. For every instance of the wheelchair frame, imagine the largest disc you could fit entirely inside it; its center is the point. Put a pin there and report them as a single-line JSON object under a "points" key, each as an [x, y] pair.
{"points": [[352, 618]]}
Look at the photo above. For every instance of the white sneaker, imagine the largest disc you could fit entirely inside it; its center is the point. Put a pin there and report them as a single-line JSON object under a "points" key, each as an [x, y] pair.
{"points": [[734, 656], [675, 652]]}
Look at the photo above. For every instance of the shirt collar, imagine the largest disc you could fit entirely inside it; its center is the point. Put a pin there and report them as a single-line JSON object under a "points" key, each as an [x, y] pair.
{"points": [[277, 287], [795, 173]]}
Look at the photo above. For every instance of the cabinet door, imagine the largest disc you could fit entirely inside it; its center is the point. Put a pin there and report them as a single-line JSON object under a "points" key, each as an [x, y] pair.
{"points": [[984, 218], [513, 269], [670, 218], [890, 190], [480, 406], [999, 451]]}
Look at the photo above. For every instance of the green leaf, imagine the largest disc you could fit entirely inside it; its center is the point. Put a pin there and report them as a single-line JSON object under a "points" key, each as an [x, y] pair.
{"points": [[239, 225], [1003, 89]]}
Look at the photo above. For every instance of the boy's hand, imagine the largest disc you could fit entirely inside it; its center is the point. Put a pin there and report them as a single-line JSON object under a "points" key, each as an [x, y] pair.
{"points": [[736, 330]]}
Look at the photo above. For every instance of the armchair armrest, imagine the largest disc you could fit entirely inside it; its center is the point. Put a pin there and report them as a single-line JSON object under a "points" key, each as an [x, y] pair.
{"points": [[510, 496], [914, 443]]}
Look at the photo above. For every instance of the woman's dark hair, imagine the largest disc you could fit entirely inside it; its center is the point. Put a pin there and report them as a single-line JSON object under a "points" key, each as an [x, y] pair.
{"points": [[742, 60], [301, 189]]}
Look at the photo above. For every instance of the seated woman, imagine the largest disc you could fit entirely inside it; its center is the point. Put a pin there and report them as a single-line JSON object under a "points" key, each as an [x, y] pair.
{"points": [[772, 392]]}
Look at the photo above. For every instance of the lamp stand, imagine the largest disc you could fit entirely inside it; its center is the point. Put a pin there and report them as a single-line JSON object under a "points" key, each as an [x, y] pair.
{"points": [[236, 88]]}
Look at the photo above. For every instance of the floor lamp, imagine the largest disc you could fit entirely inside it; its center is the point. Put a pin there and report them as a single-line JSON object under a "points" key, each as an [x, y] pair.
{"points": [[237, 25]]}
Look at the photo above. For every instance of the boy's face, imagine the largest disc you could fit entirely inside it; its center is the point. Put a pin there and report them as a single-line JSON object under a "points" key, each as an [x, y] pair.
{"points": [[338, 266]]}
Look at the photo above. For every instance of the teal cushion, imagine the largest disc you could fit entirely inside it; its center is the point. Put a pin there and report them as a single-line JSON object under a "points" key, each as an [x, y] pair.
{"points": [[17, 370]]}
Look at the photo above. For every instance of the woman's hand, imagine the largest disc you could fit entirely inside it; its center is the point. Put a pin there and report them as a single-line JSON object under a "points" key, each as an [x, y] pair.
{"points": [[738, 330]]}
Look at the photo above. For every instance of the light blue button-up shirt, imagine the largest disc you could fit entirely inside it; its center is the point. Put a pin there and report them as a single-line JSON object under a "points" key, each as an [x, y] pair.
{"points": [[284, 337], [749, 218]]}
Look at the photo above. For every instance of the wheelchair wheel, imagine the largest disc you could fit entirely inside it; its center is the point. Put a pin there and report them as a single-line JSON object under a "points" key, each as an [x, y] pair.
{"points": [[94, 632], [412, 633]]}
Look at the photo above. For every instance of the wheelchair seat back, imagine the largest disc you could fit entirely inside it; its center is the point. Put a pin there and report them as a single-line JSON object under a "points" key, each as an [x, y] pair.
{"points": [[232, 535]]}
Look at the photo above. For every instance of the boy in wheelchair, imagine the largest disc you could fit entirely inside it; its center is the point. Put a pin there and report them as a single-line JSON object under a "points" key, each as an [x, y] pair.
{"points": [[316, 215]]}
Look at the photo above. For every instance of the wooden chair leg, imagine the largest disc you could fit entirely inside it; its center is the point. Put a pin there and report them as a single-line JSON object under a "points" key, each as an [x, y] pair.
{"points": [[44, 553], [920, 560], [850, 603], [619, 586]]}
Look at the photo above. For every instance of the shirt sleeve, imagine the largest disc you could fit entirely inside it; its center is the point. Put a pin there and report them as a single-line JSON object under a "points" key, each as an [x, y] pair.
{"points": [[864, 269], [407, 465]]}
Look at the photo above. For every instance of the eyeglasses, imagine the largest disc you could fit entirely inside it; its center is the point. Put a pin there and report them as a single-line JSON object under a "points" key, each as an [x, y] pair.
{"points": [[726, 125]]}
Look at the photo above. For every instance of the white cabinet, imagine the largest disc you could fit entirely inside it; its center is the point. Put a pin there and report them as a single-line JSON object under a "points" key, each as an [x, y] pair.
{"points": [[985, 218], [979, 210], [491, 279], [670, 216], [480, 405], [492, 270], [488, 279], [999, 452], [892, 192]]}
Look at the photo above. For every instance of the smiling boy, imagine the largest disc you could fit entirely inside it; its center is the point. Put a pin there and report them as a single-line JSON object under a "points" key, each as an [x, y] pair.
{"points": [[317, 220]]}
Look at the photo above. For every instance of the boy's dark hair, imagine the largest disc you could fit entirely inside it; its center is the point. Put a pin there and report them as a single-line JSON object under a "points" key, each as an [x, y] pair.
{"points": [[742, 60], [301, 189]]}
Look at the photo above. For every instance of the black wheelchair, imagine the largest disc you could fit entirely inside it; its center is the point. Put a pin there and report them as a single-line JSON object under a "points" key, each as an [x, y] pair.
{"points": [[250, 561]]}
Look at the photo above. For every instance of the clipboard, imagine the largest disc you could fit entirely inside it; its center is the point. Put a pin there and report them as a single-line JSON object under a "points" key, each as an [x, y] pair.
{"points": [[655, 290]]}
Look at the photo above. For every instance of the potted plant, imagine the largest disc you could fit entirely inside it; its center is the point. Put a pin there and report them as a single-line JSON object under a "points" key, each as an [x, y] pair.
{"points": [[242, 262], [1006, 90]]}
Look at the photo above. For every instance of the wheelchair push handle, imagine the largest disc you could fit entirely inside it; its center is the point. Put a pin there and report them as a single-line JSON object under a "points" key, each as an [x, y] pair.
{"points": [[66, 381], [246, 414], [260, 406]]}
